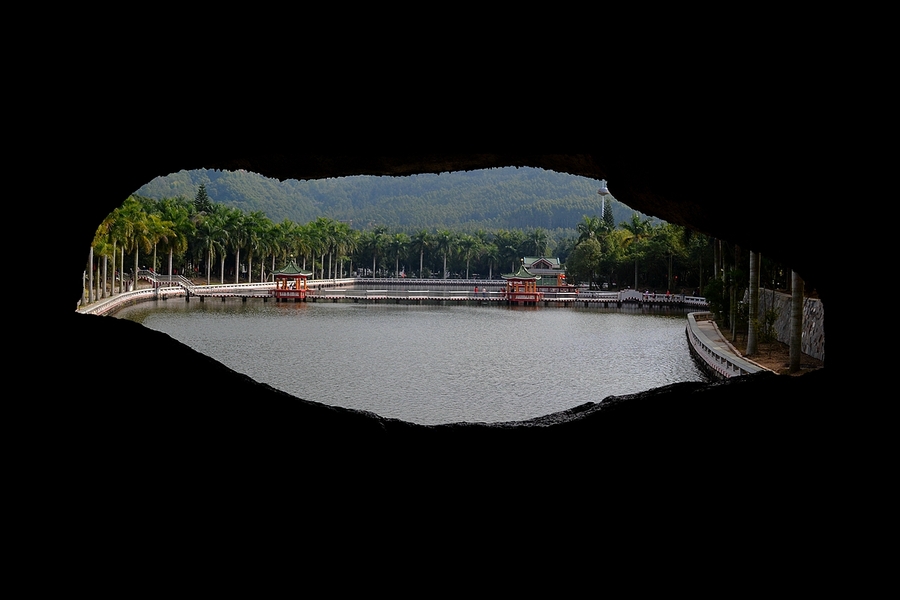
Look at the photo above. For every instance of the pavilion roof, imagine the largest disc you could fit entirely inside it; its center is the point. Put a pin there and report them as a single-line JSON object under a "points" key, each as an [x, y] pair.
{"points": [[292, 269], [522, 273]]}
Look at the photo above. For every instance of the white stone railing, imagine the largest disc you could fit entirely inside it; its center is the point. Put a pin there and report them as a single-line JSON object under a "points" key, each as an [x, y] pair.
{"points": [[718, 355], [163, 288]]}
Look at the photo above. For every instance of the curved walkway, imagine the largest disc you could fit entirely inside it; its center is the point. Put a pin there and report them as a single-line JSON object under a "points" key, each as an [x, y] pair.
{"points": [[718, 356]]}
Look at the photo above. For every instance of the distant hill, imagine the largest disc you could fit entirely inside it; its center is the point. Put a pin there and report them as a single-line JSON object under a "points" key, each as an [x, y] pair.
{"points": [[506, 198]]}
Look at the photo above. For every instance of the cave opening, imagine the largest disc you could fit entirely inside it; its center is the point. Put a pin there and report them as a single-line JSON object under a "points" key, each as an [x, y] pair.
{"points": [[151, 198]]}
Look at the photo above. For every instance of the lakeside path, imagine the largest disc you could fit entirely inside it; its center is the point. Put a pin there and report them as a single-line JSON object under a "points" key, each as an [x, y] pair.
{"points": [[716, 342], [772, 355]]}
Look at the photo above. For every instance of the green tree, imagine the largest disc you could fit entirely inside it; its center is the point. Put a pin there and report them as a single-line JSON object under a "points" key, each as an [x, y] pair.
{"points": [[609, 221], [346, 241], [105, 243], [158, 230], [120, 230], [699, 249], [492, 254], [753, 325], [584, 261], [256, 224], [202, 202], [321, 240], [638, 230], [177, 213], [715, 295], [211, 235], [538, 241], [354, 240], [137, 230], [420, 242], [468, 245], [662, 248], [235, 238], [509, 244], [443, 242], [373, 241], [297, 239], [589, 227], [397, 245]]}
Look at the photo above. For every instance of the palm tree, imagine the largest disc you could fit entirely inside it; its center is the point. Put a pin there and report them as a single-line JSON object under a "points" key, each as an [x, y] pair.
{"points": [[265, 246], [333, 238], [539, 241], [144, 230], [89, 273], [232, 220], [421, 241], [589, 227], [509, 244], [129, 222], [639, 230], [178, 214], [467, 246], [372, 242], [119, 234], [320, 240], [159, 230], [237, 237], [211, 235], [105, 243], [347, 242], [444, 243], [298, 239], [492, 254], [112, 226], [754, 304], [254, 227], [283, 238], [397, 245]]}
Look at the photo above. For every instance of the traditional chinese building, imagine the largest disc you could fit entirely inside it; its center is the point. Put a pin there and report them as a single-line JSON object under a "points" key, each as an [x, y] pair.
{"points": [[290, 283], [551, 272], [543, 266], [522, 287]]}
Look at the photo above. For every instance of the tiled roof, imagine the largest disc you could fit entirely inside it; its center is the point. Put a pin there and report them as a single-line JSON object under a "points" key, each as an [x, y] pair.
{"points": [[293, 269], [553, 262], [522, 273]]}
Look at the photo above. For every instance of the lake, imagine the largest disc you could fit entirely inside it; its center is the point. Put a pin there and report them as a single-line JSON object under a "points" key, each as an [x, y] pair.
{"points": [[434, 364]]}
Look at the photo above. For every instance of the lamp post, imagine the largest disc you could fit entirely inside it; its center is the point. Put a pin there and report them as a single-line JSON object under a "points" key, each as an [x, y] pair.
{"points": [[603, 189], [604, 192]]}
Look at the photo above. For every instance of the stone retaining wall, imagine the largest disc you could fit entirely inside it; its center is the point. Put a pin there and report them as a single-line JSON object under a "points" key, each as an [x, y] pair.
{"points": [[813, 337]]}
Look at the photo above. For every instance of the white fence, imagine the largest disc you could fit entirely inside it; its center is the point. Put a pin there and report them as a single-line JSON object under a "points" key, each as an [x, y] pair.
{"points": [[332, 288], [708, 345]]}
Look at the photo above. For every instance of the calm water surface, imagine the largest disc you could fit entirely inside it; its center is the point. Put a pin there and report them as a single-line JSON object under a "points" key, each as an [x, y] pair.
{"points": [[435, 364]]}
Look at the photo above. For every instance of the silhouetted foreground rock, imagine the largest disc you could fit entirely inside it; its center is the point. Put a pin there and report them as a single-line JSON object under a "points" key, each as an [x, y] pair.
{"points": [[201, 414]]}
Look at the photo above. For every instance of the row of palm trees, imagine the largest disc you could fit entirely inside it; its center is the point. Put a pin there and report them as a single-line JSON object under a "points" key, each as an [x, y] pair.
{"points": [[193, 238], [176, 236]]}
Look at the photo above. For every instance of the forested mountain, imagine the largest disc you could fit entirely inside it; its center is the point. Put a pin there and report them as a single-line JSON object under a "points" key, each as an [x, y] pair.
{"points": [[506, 198]]}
